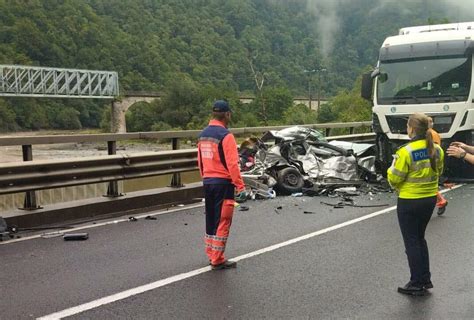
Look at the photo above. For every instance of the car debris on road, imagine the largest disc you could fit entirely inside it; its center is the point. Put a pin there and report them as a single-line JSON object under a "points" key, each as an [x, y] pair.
{"points": [[300, 161]]}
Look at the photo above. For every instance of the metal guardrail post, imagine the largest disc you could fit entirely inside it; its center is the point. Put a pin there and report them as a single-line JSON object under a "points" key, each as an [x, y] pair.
{"points": [[112, 188], [176, 179], [29, 203], [328, 132], [351, 130]]}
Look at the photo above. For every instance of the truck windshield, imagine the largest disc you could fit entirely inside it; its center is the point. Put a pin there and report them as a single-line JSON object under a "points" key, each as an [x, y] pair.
{"points": [[411, 81]]}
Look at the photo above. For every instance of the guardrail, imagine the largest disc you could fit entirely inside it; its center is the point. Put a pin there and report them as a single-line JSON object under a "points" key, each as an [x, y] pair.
{"points": [[30, 176], [38, 175]]}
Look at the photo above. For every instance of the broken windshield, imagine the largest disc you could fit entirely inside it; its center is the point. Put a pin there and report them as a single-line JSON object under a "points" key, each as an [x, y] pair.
{"points": [[414, 81]]}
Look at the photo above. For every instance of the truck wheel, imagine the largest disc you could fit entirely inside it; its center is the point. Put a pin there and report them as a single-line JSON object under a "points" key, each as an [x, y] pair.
{"points": [[289, 180]]}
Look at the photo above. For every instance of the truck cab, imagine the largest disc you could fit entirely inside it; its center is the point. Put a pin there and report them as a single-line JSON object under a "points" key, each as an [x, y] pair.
{"points": [[424, 69]]}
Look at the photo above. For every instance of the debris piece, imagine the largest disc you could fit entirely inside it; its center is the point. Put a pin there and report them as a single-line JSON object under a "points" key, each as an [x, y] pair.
{"points": [[181, 205], [151, 218], [244, 208], [258, 186], [310, 192], [185, 224], [342, 204], [4, 236], [54, 234], [3, 225], [279, 207], [346, 189], [132, 219], [297, 194], [309, 212], [76, 236]]}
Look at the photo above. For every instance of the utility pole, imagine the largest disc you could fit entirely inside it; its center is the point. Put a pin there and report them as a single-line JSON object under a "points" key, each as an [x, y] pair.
{"points": [[319, 87], [309, 85], [318, 71]]}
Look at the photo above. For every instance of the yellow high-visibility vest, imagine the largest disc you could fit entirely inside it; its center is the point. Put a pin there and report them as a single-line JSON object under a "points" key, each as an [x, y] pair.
{"points": [[411, 173]]}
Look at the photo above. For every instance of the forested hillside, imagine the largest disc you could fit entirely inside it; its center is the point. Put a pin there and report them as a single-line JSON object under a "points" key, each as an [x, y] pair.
{"points": [[200, 47]]}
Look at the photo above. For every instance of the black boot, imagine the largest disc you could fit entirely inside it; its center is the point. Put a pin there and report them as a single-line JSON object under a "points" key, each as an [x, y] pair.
{"points": [[428, 285], [412, 289], [224, 265]]}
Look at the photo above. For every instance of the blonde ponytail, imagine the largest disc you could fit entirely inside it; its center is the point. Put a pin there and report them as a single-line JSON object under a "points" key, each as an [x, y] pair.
{"points": [[431, 149], [420, 123]]}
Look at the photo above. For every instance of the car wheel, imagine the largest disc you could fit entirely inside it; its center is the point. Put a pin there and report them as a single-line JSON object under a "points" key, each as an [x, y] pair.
{"points": [[289, 180]]}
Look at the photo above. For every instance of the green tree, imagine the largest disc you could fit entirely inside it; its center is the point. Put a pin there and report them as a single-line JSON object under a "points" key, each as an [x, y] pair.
{"points": [[347, 106], [299, 114], [154, 45], [7, 118], [141, 117], [67, 118]]}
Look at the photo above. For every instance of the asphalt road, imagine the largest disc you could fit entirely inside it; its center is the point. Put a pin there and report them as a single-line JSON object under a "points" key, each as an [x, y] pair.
{"points": [[347, 272]]}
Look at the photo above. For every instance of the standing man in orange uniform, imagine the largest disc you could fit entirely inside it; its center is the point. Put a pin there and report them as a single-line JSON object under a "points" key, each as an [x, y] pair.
{"points": [[218, 161], [441, 202]]}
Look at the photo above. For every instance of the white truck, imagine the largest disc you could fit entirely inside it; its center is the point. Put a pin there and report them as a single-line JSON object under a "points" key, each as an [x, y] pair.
{"points": [[424, 69]]}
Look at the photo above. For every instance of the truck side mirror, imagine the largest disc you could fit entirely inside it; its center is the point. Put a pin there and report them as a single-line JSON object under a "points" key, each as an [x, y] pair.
{"points": [[367, 86]]}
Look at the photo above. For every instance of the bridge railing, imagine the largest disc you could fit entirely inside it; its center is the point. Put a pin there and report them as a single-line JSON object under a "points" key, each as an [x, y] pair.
{"points": [[31, 176]]}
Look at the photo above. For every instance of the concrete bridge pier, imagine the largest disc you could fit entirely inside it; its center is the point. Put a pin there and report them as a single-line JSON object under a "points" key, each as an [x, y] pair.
{"points": [[118, 122], [120, 108]]}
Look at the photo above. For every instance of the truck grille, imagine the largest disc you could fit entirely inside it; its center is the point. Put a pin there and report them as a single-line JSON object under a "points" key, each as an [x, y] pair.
{"points": [[442, 122], [397, 124]]}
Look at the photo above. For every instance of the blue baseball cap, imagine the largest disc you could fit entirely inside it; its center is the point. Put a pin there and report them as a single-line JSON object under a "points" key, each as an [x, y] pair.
{"points": [[221, 106]]}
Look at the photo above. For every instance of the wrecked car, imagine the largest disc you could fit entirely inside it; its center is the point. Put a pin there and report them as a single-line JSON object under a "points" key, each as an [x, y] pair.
{"points": [[297, 157]]}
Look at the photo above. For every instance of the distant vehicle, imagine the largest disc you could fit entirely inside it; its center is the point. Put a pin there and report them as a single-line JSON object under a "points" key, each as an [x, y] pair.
{"points": [[424, 69]]}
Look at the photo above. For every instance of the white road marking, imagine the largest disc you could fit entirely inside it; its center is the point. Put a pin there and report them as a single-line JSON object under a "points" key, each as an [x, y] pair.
{"points": [[163, 282], [160, 283], [58, 233]]}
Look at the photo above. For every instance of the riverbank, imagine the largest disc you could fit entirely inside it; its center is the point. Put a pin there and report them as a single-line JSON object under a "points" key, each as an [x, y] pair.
{"points": [[74, 150]]}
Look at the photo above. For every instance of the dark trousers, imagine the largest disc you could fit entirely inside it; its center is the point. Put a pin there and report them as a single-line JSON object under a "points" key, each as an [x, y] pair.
{"points": [[413, 217], [219, 211]]}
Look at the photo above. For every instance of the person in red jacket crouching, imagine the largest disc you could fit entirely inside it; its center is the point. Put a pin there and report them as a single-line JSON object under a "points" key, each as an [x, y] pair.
{"points": [[218, 162]]}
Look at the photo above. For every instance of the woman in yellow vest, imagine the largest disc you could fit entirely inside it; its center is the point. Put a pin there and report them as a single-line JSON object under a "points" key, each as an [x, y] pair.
{"points": [[414, 174]]}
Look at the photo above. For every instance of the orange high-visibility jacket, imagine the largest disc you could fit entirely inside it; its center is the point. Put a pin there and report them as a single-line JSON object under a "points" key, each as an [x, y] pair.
{"points": [[218, 158]]}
